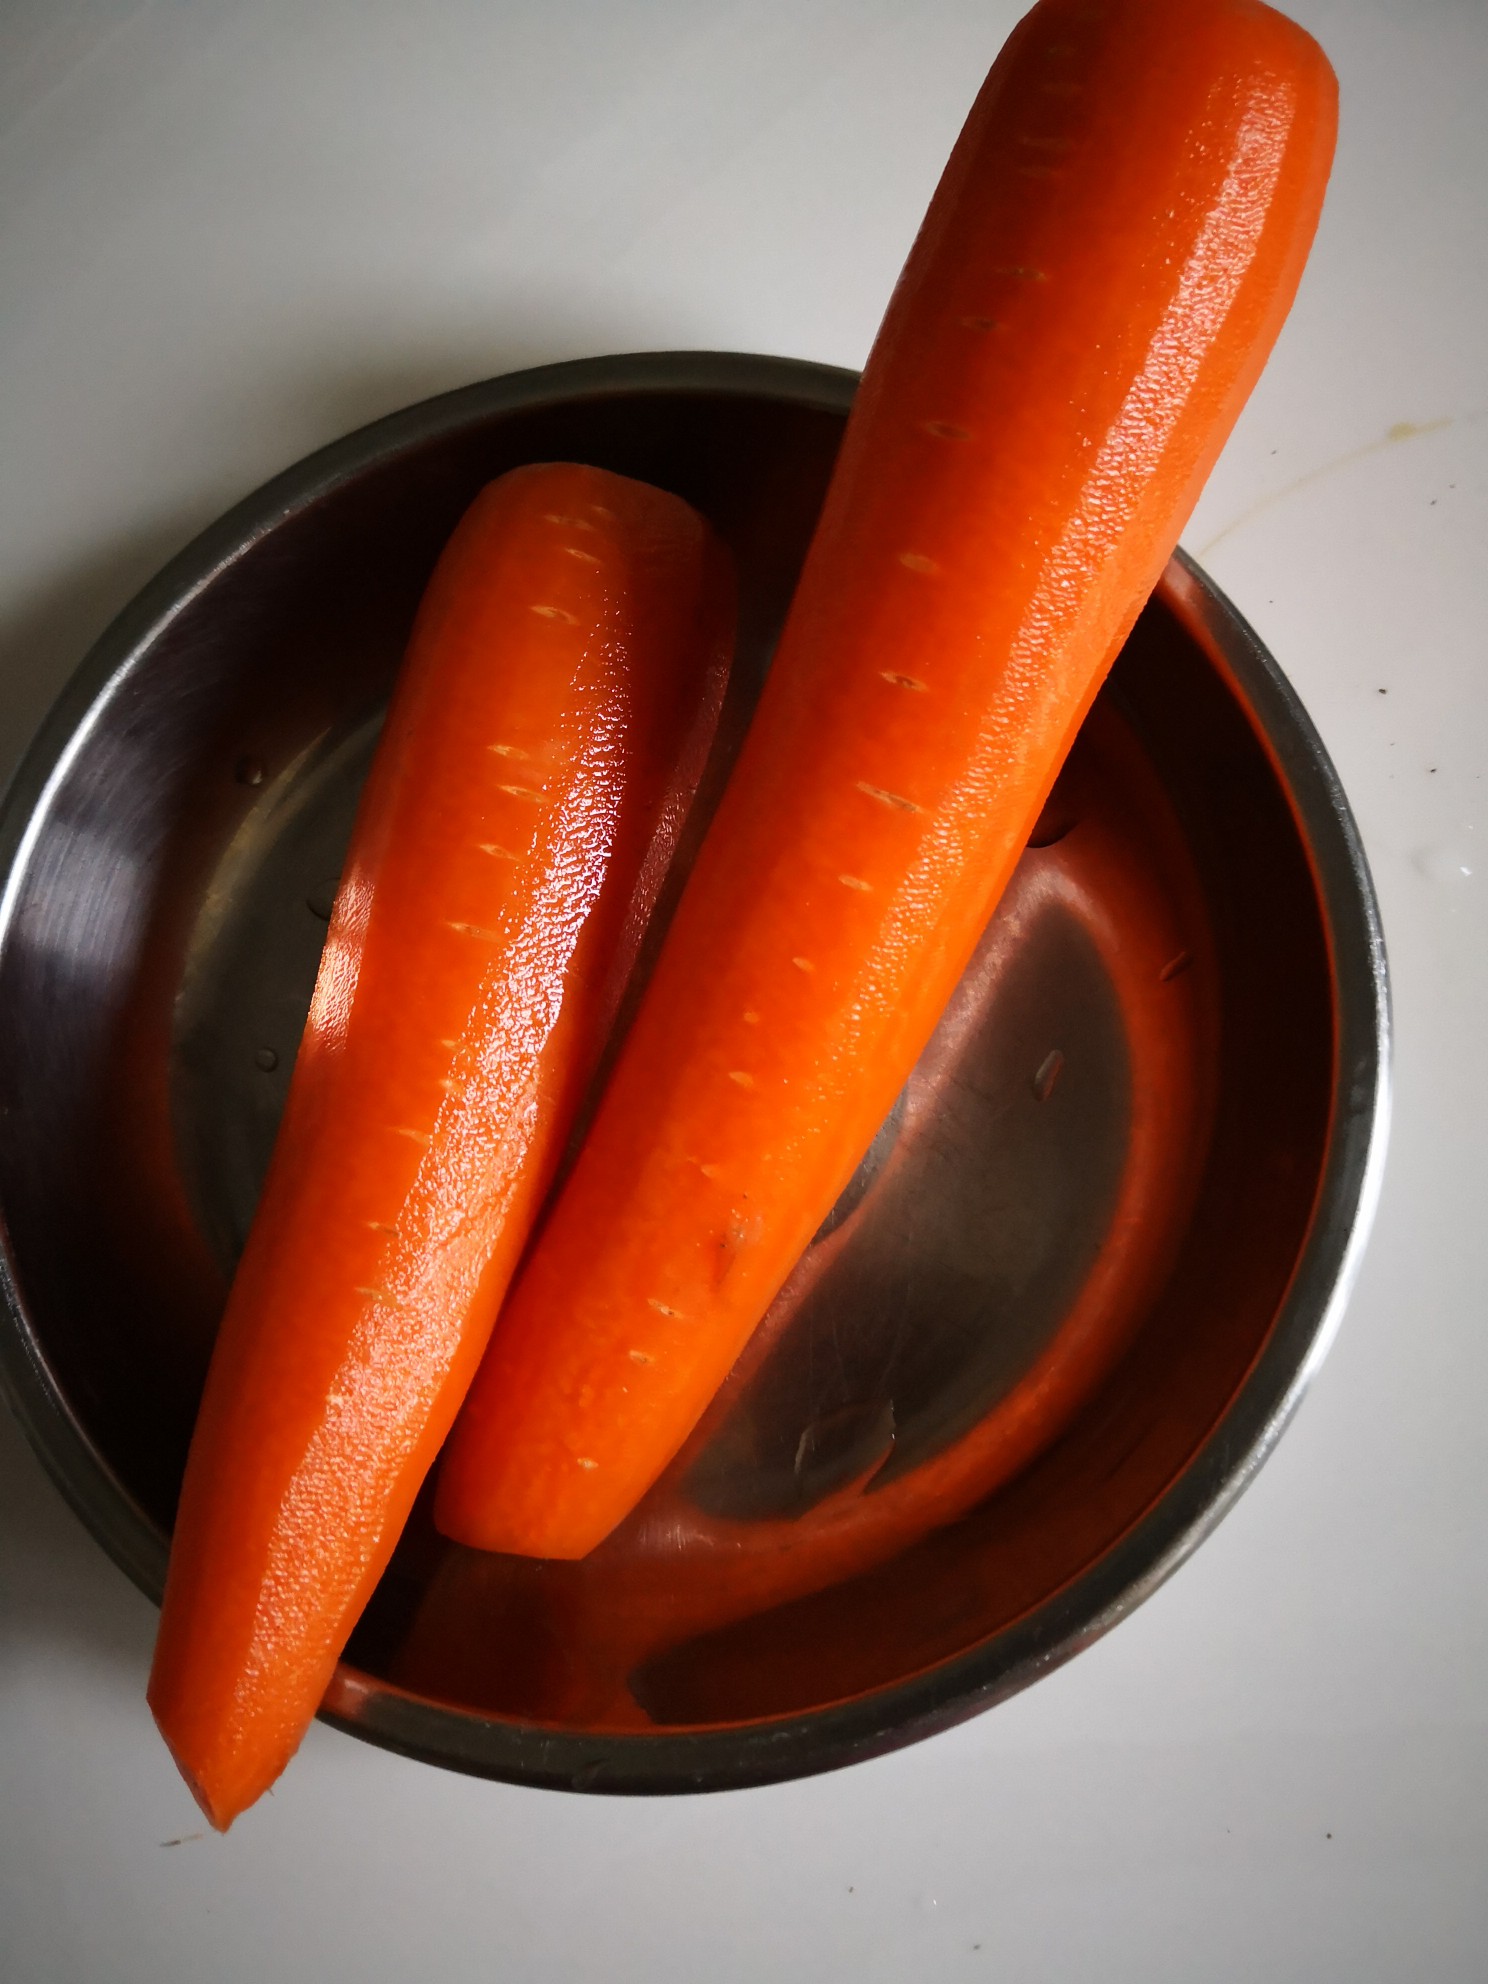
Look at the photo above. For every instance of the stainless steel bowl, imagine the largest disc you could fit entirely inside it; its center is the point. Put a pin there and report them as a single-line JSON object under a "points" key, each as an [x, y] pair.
{"points": [[1152, 1123]]}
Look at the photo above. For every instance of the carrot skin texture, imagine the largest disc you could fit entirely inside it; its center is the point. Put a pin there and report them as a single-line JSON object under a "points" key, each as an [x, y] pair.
{"points": [[552, 717], [1111, 253]]}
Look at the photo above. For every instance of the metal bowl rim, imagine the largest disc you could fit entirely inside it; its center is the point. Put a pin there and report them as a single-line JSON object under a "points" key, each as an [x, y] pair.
{"points": [[717, 1758]]}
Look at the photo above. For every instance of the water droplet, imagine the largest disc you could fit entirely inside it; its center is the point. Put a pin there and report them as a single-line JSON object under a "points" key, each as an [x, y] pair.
{"points": [[1443, 862], [1174, 966], [266, 1059], [320, 902], [248, 771], [1051, 827], [841, 1446], [1049, 1071]]}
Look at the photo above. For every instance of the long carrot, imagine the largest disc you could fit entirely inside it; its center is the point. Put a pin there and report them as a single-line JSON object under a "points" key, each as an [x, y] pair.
{"points": [[1106, 263], [551, 720]]}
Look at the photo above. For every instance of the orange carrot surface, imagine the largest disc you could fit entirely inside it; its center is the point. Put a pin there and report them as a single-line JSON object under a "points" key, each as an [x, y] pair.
{"points": [[550, 723], [1108, 259]]}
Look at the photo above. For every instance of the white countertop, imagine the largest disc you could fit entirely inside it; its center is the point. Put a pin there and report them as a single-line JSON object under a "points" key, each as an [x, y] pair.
{"points": [[231, 230]]}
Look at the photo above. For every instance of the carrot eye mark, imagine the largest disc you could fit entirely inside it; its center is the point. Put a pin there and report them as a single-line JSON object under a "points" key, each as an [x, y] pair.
{"points": [[589, 557], [856, 882], [569, 523], [492, 847], [508, 750], [803, 964], [556, 613], [1174, 967], [599, 510], [904, 681], [380, 1226], [750, 1019], [520, 791], [581, 1461], [416, 1136], [943, 430], [638, 1357], [711, 1170], [981, 323], [376, 1294], [894, 799], [916, 561], [662, 1308], [474, 930], [743, 1080]]}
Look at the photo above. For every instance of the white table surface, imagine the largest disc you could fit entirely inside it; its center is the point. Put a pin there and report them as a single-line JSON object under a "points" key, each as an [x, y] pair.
{"points": [[231, 230]]}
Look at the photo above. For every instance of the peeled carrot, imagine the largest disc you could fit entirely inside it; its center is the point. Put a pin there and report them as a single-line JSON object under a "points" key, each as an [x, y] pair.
{"points": [[551, 721], [1108, 259]]}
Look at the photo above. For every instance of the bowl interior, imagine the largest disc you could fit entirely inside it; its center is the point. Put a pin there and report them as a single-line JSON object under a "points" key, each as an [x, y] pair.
{"points": [[1029, 1313]]}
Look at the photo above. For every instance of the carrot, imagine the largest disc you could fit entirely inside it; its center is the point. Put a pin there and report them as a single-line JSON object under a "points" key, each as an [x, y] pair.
{"points": [[1107, 261], [550, 722]]}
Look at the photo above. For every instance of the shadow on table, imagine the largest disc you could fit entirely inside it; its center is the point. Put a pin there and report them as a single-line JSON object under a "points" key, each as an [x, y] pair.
{"points": [[57, 1587]]}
